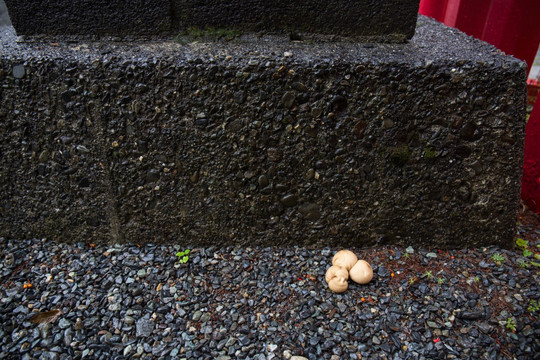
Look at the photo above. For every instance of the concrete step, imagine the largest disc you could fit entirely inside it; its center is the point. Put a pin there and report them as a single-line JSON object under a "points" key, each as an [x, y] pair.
{"points": [[382, 20], [262, 140]]}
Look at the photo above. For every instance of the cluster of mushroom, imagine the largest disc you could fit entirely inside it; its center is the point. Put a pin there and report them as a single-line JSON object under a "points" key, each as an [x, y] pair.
{"points": [[345, 264]]}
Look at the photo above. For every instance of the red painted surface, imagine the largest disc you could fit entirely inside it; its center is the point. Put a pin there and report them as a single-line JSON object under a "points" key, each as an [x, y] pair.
{"points": [[514, 27], [510, 25], [473, 17], [530, 184], [533, 91], [434, 9]]}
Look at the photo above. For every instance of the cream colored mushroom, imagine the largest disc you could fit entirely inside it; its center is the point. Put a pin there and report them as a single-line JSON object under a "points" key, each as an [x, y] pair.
{"points": [[336, 278], [336, 271], [345, 258], [338, 285], [361, 272]]}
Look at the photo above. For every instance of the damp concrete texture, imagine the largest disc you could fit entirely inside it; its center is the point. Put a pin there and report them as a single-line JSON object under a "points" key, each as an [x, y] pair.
{"points": [[262, 141], [382, 20], [4, 18]]}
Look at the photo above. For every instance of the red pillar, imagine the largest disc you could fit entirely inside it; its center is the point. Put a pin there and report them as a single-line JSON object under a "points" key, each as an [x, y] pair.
{"points": [[530, 184], [472, 17], [510, 25], [514, 27], [433, 8]]}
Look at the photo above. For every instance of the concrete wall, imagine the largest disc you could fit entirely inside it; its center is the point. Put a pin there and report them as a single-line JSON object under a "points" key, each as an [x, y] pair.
{"points": [[262, 141], [382, 20], [4, 18]]}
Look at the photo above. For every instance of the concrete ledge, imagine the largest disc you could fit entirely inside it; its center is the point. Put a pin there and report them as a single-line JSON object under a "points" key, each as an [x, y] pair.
{"points": [[90, 17], [262, 141], [386, 21], [383, 20]]}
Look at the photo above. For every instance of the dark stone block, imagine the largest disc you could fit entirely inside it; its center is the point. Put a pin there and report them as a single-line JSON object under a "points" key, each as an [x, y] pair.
{"points": [[52, 179], [383, 20], [331, 143], [4, 18], [90, 17], [386, 20]]}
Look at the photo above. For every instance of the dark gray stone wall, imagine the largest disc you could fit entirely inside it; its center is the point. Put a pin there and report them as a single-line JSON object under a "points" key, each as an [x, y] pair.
{"points": [[387, 20], [4, 18], [90, 17], [383, 20], [262, 141]]}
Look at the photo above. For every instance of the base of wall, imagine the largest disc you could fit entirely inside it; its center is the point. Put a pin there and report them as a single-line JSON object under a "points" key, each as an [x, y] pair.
{"points": [[262, 141]]}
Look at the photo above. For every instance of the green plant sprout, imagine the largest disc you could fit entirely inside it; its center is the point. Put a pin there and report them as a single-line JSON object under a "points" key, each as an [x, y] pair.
{"points": [[183, 256], [510, 324], [533, 306], [497, 258], [523, 264], [477, 279], [406, 255], [412, 280], [522, 243], [440, 280], [400, 155], [429, 153], [428, 274]]}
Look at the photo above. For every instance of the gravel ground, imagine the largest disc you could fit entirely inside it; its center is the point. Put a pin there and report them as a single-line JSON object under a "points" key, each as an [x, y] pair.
{"points": [[61, 301]]}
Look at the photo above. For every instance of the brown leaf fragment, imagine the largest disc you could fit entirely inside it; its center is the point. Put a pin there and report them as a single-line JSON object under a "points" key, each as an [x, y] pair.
{"points": [[44, 317]]}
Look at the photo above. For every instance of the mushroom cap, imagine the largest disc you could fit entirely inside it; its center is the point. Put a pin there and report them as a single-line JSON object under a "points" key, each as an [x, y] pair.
{"points": [[361, 272], [345, 258], [338, 285], [335, 271]]}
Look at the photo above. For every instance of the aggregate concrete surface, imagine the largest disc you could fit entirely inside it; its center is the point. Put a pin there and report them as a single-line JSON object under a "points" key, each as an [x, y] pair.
{"points": [[382, 20], [4, 17], [262, 140]]}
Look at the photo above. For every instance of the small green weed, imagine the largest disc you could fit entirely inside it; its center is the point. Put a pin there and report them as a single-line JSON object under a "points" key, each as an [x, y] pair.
{"points": [[524, 246], [412, 280], [497, 258], [429, 153], [523, 264], [521, 243], [533, 307], [510, 324], [400, 155], [477, 279], [183, 256], [428, 274], [406, 255], [440, 280]]}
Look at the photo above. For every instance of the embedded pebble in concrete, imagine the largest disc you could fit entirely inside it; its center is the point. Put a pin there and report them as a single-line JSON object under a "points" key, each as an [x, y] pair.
{"points": [[262, 303], [261, 139], [18, 71]]}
